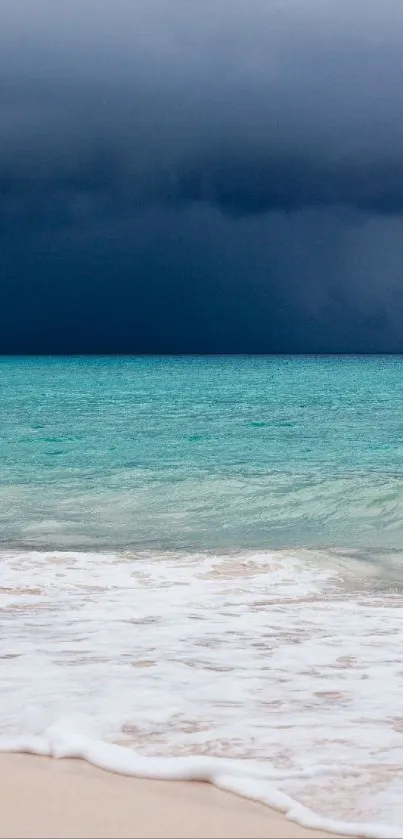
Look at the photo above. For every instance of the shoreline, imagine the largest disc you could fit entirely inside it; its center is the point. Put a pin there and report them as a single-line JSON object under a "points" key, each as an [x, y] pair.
{"points": [[41, 797]]}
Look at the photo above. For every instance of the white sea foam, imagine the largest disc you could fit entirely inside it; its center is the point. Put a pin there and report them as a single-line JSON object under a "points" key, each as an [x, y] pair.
{"points": [[271, 675], [232, 776]]}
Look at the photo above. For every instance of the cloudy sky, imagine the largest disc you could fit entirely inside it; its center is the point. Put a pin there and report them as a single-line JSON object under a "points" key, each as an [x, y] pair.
{"points": [[201, 176]]}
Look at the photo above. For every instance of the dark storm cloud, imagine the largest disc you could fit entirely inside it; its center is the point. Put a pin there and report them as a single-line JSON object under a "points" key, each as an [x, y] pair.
{"points": [[223, 166], [102, 186], [247, 106]]}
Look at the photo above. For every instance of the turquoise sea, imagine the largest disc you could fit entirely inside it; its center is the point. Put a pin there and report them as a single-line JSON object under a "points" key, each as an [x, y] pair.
{"points": [[202, 453], [201, 559]]}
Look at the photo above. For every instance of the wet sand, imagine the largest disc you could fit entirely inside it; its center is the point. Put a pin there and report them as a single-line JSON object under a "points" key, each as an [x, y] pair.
{"points": [[40, 797]]}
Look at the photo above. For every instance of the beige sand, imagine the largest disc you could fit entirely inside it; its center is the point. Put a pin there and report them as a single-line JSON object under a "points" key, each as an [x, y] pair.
{"points": [[68, 798]]}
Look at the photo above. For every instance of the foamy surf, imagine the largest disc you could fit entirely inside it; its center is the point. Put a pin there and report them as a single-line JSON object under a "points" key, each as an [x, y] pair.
{"points": [[261, 672], [229, 775]]}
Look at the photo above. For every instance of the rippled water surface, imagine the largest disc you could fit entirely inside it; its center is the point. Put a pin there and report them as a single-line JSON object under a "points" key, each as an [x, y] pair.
{"points": [[201, 453]]}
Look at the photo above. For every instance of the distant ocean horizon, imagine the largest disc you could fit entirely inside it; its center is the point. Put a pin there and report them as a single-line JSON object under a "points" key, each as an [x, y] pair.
{"points": [[203, 555]]}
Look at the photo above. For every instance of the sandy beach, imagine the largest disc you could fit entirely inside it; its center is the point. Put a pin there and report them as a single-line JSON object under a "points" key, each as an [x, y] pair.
{"points": [[40, 797]]}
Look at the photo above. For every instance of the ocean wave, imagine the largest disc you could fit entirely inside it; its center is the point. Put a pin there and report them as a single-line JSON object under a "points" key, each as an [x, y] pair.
{"points": [[277, 658], [247, 781]]}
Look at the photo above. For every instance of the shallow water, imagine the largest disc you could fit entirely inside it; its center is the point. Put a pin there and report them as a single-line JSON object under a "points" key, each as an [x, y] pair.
{"points": [[204, 557], [201, 453]]}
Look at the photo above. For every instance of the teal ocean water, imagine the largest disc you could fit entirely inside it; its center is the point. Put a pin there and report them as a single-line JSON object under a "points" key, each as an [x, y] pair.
{"points": [[202, 453], [201, 567]]}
